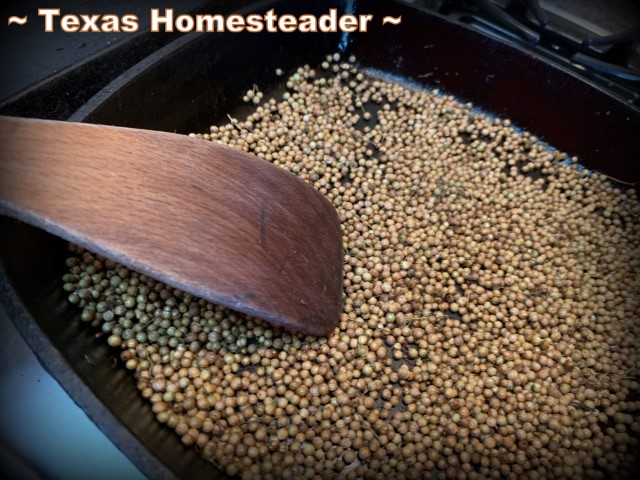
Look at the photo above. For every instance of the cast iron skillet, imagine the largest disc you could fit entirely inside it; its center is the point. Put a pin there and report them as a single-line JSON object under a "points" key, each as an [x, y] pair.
{"points": [[195, 81]]}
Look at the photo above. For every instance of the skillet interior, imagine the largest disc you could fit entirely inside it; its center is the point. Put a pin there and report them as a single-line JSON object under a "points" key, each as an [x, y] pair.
{"points": [[194, 82]]}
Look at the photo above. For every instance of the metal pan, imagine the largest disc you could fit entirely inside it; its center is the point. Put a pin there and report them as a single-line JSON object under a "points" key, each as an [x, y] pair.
{"points": [[196, 81]]}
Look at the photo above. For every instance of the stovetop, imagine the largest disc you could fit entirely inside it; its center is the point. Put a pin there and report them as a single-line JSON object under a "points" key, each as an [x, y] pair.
{"points": [[595, 39]]}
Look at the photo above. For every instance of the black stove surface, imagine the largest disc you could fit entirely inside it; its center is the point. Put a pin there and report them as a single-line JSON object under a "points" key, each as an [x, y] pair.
{"points": [[595, 39], [598, 40]]}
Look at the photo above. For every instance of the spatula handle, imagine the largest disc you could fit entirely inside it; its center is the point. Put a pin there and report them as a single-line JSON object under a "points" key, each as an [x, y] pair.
{"points": [[214, 221]]}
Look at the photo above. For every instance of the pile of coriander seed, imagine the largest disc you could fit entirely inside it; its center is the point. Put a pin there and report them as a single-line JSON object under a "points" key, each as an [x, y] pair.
{"points": [[491, 309]]}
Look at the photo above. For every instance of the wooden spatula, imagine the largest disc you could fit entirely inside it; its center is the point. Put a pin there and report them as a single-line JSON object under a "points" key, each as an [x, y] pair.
{"points": [[214, 221]]}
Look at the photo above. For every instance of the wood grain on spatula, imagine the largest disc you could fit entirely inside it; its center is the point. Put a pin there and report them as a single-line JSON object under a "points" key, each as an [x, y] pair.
{"points": [[214, 221]]}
